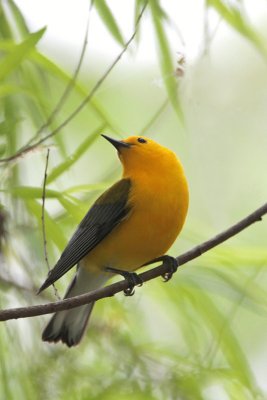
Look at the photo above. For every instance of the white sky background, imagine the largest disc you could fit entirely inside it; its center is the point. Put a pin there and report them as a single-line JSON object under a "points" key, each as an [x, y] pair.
{"points": [[66, 22]]}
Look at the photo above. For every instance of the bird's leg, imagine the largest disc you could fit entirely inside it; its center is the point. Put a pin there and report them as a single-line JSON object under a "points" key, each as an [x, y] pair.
{"points": [[131, 277], [170, 261]]}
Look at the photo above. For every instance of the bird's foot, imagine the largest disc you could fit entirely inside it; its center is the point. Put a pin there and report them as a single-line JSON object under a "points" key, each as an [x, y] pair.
{"points": [[131, 277], [171, 263]]}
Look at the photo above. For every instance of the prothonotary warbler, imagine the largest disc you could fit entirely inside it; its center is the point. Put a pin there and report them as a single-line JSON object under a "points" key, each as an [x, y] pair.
{"points": [[136, 220]]}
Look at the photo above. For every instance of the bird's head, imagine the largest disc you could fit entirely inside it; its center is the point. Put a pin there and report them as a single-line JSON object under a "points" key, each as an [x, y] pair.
{"points": [[138, 153]]}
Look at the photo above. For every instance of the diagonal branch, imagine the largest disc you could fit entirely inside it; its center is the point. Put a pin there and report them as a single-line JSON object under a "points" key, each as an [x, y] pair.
{"points": [[86, 100], [108, 291], [43, 222], [43, 212], [68, 87]]}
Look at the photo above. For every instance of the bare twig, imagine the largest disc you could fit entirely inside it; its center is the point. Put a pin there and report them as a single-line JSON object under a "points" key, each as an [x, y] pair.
{"points": [[154, 117], [208, 36], [143, 131], [227, 322], [69, 86], [43, 221], [108, 291], [86, 100], [43, 211]]}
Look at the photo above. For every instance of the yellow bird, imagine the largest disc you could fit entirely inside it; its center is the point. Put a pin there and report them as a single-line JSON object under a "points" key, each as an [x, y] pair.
{"points": [[133, 222]]}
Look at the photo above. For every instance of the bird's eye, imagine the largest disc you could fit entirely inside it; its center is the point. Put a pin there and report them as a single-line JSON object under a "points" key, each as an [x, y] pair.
{"points": [[141, 140]]}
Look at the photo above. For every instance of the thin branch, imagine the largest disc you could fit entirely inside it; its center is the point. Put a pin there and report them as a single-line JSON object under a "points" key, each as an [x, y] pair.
{"points": [[43, 212], [143, 131], [228, 321], [155, 116], [108, 291], [43, 221], [86, 100], [208, 36], [69, 86]]}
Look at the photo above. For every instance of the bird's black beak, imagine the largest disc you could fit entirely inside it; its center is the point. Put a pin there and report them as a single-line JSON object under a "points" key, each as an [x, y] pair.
{"points": [[118, 144]]}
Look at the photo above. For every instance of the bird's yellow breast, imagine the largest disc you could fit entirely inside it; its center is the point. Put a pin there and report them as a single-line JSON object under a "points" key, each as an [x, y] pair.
{"points": [[159, 203]]}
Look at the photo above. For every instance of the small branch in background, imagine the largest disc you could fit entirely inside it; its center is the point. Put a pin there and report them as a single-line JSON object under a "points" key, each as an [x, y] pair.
{"points": [[85, 101], [154, 117], [69, 86], [208, 35], [43, 222], [214, 348], [110, 290], [3, 219], [43, 212]]}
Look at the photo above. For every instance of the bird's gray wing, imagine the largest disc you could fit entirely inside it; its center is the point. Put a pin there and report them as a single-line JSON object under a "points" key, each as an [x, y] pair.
{"points": [[105, 214]]}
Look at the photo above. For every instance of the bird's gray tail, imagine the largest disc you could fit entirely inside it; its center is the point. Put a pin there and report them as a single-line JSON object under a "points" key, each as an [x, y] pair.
{"points": [[69, 326]]}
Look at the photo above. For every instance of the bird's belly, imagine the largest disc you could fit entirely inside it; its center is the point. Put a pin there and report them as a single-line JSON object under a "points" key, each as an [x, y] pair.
{"points": [[147, 233]]}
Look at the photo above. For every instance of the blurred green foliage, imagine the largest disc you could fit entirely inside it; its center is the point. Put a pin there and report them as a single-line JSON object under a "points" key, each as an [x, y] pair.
{"points": [[202, 335]]}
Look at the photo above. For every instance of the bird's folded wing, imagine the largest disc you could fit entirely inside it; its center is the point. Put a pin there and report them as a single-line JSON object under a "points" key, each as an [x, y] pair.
{"points": [[105, 214]]}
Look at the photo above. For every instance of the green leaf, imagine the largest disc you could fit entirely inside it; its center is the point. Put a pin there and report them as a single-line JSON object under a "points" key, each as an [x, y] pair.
{"points": [[8, 89], [53, 229], [18, 17], [165, 58], [5, 29], [139, 5], [244, 291], [66, 164], [19, 52], [109, 20], [236, 20], [2, 148], [31, 192], [12, 118], [87, 188], [72, 209], [57, 72], [227, 342]]}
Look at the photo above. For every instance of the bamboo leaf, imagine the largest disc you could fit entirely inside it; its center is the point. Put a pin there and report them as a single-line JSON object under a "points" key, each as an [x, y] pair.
{"points": [[2, 148], [110, 23], [5, 29], [19, 52], [233, 16], [227, 342], [57, 72], [8, 89], [229, 286], [31, 192], [87, 188], [53, 229], [165, 58], [76, 212], [11, 118], [18, 17], [66, 164]]}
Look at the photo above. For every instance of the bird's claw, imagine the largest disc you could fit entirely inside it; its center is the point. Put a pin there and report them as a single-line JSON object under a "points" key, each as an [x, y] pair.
{"points": [[131, 277], [167, 276], [133, 280], [129, 291], [172, 264]]}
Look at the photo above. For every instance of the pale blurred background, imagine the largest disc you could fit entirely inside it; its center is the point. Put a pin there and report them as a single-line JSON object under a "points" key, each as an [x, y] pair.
{"points": [[202, 335]]}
